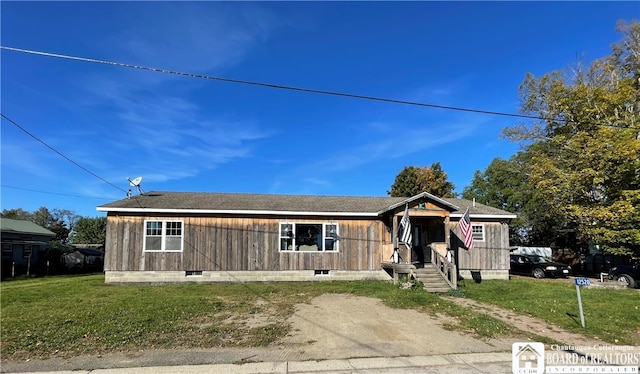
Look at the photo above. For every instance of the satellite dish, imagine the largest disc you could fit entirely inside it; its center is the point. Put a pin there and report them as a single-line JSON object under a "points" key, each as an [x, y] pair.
{"points": [[136, 183]]}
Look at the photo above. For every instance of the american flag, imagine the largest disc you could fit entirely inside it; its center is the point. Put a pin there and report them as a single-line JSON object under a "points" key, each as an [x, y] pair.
{"points": [[465, 227], [406, 237]]}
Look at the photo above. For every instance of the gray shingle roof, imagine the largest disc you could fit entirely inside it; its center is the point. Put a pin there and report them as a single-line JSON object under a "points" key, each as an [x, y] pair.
{"points": [[252, 202], [477, 209], [238, 202]]}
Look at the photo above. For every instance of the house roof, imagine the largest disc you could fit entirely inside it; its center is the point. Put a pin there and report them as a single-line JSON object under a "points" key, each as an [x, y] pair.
{"points": [[239, 203], [477, 210], [23, 227]]}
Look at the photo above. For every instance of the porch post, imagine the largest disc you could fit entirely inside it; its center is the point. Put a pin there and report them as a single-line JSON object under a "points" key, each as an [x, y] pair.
{"points": [[395, 232]]}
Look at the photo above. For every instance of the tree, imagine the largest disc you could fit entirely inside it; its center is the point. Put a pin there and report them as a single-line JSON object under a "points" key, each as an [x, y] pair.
{"points": [[67, 216], [18, 213], [413, 180], [43, 217], [434, 181], [585, 149], [505, 184], [90, 231], [406, 183]]}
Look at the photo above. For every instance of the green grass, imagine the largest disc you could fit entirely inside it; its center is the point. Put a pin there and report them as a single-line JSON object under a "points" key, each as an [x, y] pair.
{"points": [[612, 315], [71, 315]]}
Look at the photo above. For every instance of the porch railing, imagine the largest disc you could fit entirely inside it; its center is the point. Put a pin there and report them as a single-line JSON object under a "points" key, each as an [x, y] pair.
{"points": [[446, 268]]}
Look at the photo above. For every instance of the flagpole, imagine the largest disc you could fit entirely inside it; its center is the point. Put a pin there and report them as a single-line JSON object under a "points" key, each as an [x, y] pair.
{"points": [[456, 250]]}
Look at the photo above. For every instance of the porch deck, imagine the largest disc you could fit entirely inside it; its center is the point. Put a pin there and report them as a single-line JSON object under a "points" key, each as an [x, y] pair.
{"points": [[432, 279], [396, 270]]}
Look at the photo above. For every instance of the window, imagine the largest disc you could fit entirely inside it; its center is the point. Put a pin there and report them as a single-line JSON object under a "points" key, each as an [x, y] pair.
{"points": [[478, 232], [7, 251], [163, 236], [309, 237], [26, 251], [286, 237]]}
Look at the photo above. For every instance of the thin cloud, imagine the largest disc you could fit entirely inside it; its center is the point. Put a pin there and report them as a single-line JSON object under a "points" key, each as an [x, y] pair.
{"points": [[24, 159], [166, 131], [400, 140], [392, 140], [221, 38]]}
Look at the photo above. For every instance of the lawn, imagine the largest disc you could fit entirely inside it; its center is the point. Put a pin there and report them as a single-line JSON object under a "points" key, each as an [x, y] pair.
{"points": [[612, 315], [71, 315]]}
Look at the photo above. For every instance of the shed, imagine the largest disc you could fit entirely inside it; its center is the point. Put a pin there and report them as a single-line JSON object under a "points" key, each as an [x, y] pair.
{"points": [[23, 244]]}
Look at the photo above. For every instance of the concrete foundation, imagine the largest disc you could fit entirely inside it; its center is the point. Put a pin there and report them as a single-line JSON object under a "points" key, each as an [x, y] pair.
{"points": [[480, 275], [115, 277]]}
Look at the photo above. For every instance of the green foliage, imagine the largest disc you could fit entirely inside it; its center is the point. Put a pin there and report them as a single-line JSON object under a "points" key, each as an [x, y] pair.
{"points": [[583, 156], [617, 225], [434, 181], [413, 180], [506, 184], [90, 231], [18, 213], [406, 183]]}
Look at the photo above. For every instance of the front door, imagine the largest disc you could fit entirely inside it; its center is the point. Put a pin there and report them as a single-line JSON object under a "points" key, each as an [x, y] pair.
{"points": [[420, 241]]}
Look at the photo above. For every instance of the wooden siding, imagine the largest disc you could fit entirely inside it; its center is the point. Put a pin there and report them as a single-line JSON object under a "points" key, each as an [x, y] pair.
{"points": [[236, 244], [490, 254]]}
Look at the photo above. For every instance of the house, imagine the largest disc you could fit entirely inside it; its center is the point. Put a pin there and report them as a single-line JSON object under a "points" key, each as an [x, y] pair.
{"points": [[224, 237], [23, 245]]}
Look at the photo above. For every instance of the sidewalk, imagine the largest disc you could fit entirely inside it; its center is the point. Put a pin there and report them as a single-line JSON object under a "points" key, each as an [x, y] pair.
{"points": [[494, 363]]}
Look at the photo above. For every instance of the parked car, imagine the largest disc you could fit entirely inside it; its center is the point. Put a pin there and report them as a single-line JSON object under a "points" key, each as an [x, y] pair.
{"points": [[628, 275], [538, 266]]}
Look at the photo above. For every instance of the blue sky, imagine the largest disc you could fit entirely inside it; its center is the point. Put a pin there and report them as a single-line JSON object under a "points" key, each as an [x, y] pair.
{"points": [[187, 134]]}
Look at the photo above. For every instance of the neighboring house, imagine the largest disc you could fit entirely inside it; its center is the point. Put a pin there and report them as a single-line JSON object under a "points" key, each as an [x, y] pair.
{"points": [[23, 244], [209, 237]]}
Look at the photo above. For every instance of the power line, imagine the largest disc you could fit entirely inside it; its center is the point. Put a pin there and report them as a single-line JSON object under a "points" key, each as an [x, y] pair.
{"points": [[59, 153], [270, 85]]}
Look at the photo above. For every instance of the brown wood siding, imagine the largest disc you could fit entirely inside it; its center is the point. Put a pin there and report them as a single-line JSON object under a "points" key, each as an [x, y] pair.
{"points": [[234, 244], [492, 253]]}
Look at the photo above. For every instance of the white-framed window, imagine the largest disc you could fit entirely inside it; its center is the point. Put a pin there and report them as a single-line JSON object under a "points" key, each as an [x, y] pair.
{"points": [[308, 237], [477, 232], [163, 236]]}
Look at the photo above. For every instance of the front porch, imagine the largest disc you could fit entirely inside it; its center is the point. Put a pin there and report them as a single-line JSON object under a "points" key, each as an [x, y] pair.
{"points": [[437, 275]]}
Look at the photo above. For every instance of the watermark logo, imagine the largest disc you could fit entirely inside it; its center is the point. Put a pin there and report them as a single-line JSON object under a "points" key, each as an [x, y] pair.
{"points": [[531, 358], [527, 358]]}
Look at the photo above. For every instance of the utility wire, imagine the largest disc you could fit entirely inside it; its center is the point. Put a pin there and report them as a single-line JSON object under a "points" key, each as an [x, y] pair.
{"points": [[59, 153], [270, 85]]}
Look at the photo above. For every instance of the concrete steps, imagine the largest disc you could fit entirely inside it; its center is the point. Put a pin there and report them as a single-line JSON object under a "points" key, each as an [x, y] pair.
{"points": [[431, 278]]}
